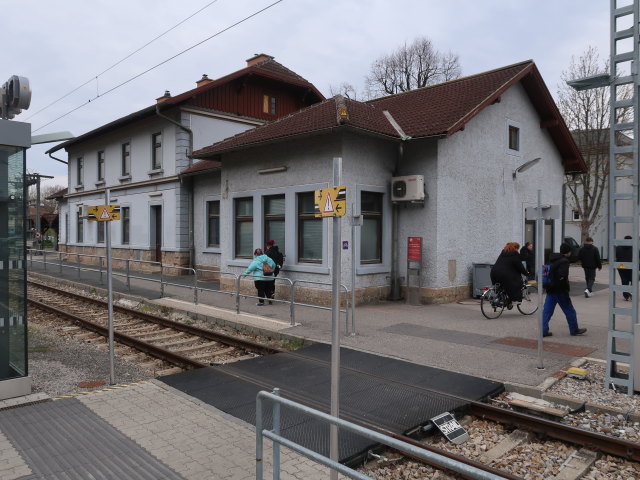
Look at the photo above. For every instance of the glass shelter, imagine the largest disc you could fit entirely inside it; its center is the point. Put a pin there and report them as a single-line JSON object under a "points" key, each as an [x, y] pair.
{"points": [[15, 138]]}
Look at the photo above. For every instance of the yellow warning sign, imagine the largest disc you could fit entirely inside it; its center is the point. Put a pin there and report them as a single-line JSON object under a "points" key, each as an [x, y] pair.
{"points": [[103, 213], [330, 202]]}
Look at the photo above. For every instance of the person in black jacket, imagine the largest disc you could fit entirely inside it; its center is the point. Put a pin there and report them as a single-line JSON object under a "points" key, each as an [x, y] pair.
{"points": [[558, 293], [528, 256], [624, 253], [508, 271], [590, 258], [273, 252]]}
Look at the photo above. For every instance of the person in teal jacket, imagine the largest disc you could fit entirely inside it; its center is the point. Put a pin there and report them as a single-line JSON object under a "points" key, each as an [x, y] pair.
{"points": [[261, 275]]}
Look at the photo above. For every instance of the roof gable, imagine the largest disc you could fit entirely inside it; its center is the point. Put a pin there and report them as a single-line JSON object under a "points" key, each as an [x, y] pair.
{"points": [[267, 68]]}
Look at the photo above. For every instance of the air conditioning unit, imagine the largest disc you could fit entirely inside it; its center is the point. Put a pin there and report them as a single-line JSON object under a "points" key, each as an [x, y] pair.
{"points": [[409, 188]]}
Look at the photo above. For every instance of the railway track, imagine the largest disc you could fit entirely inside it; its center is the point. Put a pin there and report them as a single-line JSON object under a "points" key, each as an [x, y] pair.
{"points": [[503, 442], [176, 343]]}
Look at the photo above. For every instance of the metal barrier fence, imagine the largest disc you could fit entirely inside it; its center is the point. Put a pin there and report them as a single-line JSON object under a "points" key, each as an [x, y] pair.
{"points": [[99, 266], [436, 459]]}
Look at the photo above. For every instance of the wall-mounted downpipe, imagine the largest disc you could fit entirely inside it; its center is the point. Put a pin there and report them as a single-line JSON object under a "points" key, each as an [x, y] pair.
{"points": [[192, 247]]}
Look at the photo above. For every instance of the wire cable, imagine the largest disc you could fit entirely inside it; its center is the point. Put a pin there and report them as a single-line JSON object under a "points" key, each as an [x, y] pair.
{"points": [[162, 63], [120, 61]]}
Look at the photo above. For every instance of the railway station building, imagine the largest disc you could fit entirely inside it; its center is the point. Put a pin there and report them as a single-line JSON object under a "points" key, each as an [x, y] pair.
{"points": [[441, 165], [139, 158]]}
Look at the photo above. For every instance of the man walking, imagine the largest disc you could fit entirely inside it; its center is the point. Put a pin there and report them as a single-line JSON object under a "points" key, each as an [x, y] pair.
{"points": [[624, 254], [558, 293], [590, 258]]}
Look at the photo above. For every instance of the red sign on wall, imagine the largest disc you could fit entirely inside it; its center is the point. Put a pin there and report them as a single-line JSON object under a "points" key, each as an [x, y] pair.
{"points": [[414, 248]]}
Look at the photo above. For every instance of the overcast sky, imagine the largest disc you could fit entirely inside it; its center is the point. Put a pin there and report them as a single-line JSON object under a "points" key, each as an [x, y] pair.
{"points": [[61, 45]]}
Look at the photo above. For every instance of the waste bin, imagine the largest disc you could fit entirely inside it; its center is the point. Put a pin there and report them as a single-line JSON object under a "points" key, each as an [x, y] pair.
{"points": [[481, 278]]}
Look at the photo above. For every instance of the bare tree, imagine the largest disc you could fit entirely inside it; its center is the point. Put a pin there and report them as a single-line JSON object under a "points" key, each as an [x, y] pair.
{"points": [[345, 89], [587, 116], [46, 205], [411, 66]]}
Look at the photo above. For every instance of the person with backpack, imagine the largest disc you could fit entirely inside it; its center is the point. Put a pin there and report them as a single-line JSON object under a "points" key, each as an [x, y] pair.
{"points": [[590, 258], [558, 293], [262, 267], [274, 253], [624, 253]]}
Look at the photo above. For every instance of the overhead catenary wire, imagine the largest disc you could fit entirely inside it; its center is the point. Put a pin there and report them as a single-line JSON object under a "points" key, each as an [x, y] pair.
{"points": [[96, 77], [161, 63]]}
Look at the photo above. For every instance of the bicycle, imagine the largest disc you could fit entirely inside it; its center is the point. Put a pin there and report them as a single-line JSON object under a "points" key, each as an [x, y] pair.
{"points": [[494, 300]]}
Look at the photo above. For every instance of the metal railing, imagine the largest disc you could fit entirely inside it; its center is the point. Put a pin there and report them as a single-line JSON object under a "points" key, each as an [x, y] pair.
{"points": [[275, 436], [99, 266]]}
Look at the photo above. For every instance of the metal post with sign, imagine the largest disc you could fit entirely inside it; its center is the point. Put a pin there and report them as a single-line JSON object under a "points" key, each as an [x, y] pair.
{"points": [[107, 213], [414, 268], [331, 202], [539, 214]]}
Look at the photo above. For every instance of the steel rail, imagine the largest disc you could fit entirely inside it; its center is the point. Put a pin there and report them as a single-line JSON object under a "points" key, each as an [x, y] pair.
{"points": [[145, 347], [200, 332], [598, 441]]}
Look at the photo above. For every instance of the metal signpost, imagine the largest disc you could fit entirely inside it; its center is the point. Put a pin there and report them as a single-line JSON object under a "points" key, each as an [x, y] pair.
{"points": [[107, 213], [356, 221], [331, 202], [414, 268], [540, 214]]}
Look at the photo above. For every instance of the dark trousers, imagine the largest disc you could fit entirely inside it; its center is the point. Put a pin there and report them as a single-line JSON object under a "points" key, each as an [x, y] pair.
{"points": [[271, 288], [589, 277], [262, 287], [564, 301], [625, 279]]}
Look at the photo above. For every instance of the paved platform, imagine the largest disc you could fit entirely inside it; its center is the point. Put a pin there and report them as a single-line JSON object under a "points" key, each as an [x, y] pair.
{"points": [[146, 431]]}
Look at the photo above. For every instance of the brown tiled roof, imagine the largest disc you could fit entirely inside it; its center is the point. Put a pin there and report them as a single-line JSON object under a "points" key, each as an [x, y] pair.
{"points": [[268, 68], [441, 109], [201, 167], [316, 118]]}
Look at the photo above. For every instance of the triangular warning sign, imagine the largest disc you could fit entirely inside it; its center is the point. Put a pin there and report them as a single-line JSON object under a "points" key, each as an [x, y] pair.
{"points": [[328, 206], [105, 215]]}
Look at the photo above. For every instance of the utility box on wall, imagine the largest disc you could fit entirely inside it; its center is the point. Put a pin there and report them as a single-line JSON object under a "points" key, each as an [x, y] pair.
{"points": [[409, 188], [481, 278]]}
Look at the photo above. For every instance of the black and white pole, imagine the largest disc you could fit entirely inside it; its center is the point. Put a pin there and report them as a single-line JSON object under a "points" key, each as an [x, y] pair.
{"points": [[107, 229], [335, 323]]}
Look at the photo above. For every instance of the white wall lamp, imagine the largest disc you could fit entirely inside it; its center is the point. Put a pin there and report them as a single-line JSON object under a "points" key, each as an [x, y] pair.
{"points": [[525, 166], [267, 171]]}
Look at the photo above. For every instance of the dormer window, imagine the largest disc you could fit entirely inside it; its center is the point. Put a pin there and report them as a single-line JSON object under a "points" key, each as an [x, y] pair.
{"points": [[269, 104]]}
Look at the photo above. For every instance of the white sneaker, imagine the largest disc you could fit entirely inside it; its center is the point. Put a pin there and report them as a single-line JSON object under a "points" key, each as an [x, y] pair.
{"points": [[590, 294], [586, 293]]}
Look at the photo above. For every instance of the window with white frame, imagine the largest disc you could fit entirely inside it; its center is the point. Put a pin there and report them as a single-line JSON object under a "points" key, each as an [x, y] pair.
{"points": [[79, 171], [371, 231], [101, 228], [79, 226], [244, 227], [575, 215], [125, 220], [156, 151], [213, 223], [309, 230], [101, 166], [126, 159], [274, 224], [513, 138]]}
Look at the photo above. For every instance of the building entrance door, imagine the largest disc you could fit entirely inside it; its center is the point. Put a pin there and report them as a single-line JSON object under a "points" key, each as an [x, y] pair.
{"points": [[156, 232]]}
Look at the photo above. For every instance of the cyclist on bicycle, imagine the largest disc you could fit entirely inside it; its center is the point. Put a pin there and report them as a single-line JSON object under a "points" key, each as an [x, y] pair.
{"points": [[508, 271]]}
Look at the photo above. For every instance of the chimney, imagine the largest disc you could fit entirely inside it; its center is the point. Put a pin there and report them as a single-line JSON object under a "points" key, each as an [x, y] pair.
{"points": [[203, 81], [257, 58], [163, 98]]}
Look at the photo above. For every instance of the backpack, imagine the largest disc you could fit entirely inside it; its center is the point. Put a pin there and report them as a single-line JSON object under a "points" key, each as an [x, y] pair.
{"points": [[546, 276]]}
